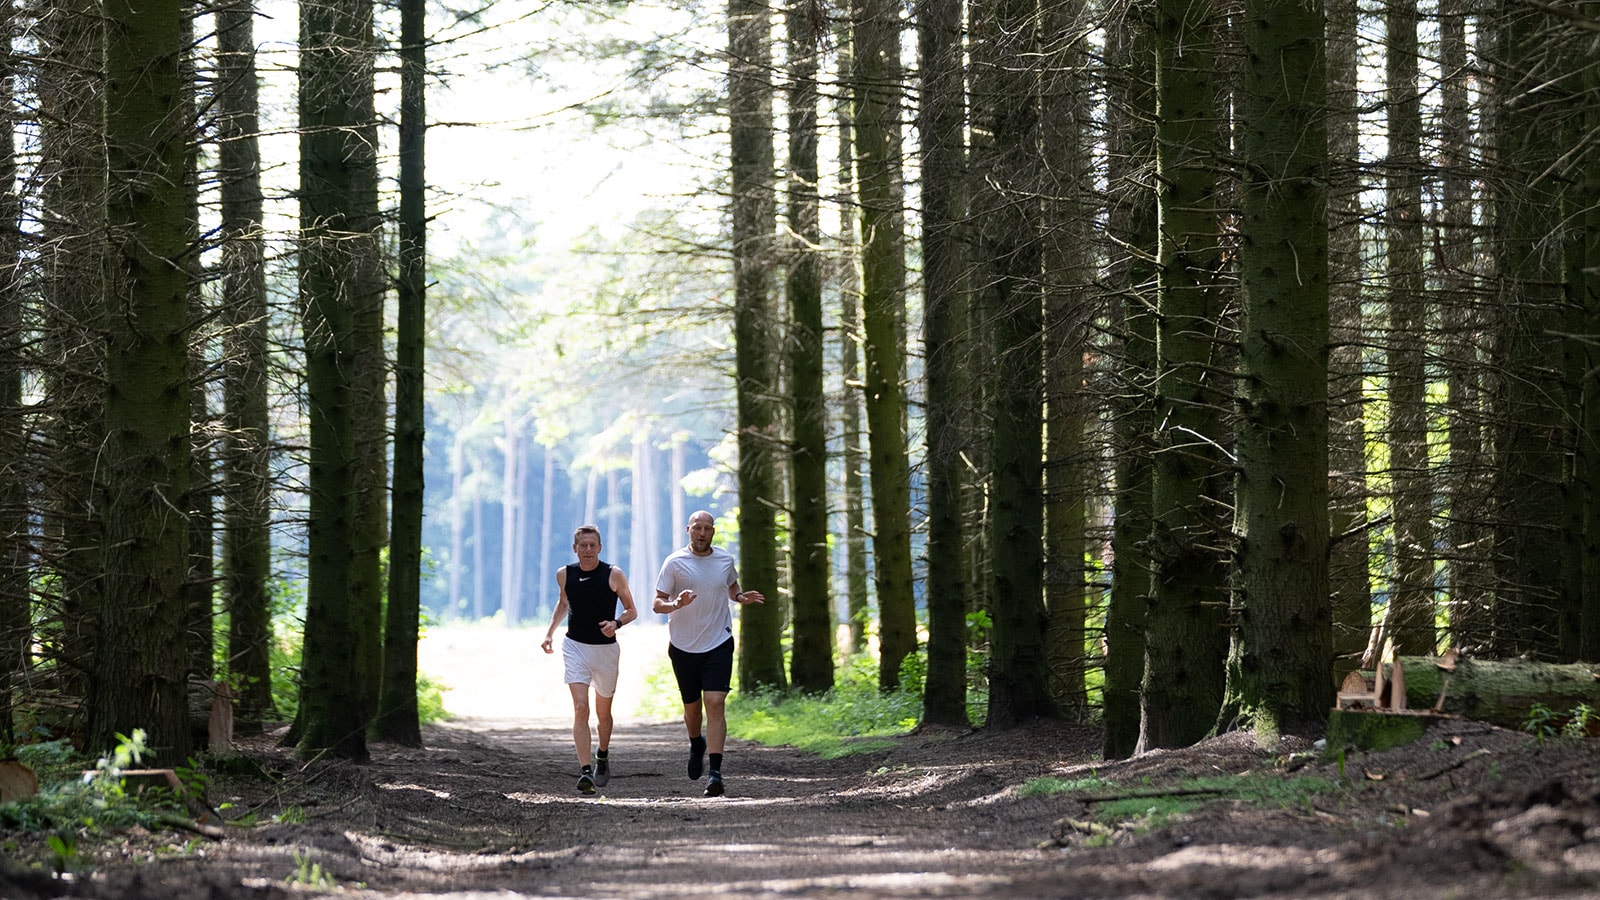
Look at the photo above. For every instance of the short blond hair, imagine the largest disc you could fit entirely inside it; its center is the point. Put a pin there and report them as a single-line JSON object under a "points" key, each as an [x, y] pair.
{"points": [[586, 529]]}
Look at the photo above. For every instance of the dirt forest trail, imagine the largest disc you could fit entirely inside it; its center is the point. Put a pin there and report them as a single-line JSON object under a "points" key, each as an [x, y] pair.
{"points": [[488, 809], [790, 824]]}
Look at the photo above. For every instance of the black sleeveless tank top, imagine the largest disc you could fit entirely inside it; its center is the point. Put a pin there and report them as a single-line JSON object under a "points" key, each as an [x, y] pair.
{"points": [[590, 601]]}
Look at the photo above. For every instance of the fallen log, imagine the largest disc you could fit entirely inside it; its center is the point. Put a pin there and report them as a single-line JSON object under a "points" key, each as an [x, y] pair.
{"points": [[1499, 691]]}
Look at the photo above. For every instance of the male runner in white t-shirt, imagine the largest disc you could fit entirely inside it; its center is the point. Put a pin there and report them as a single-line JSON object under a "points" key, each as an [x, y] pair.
{"points": [[689, 591]]}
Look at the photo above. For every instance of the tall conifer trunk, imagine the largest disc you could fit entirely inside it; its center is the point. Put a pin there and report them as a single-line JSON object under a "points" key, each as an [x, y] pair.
{"points": [[246, 448], [72, 171], [1408, 617], [1348, 583], [811, 659], [1282, 650], [16, 627], [1185, 641], [876, 86], [397, 698], [338, 231], [1131, 223], [941, 123], [1006, 211], [757, 338], [140, 681]]}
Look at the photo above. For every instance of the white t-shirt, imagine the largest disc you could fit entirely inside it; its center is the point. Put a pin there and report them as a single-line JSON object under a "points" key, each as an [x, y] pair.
{"points": [[706, 623]]}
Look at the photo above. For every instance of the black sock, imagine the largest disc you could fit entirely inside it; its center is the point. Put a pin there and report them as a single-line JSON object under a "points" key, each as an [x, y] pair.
{"points": [[602, 754], [697, 747], [586, 770], [716, 762]]}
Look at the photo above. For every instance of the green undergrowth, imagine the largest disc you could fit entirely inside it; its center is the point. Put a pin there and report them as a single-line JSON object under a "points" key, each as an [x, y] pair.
{"points": [[81, 800], [854, 717], [1144, 806]]}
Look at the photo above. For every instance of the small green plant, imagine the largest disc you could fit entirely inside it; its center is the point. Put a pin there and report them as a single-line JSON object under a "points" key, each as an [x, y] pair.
{"points": [[1578, 722], [1541, 722], [291, 815], [309, 873], [63, 851]]}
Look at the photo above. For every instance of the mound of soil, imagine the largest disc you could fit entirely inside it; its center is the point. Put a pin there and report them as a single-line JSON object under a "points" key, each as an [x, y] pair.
{"points": [[489, 809]]}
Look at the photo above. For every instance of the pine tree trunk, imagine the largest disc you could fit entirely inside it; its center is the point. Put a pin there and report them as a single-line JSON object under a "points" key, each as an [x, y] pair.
{"points": [[246, 449], [1070, 272], [1347, 503], [1532, 440], [1131, 222], [757, 338], [1282, 650], [140, 682], [811, 661], [72, 172], [941, 124], [1185, 641], [857, 584], [1408, 618], [876, 86], [1006, 212], [336, 227], [16, 626], [1584, 283], [397, 719], [511, 539], [200, 599]]}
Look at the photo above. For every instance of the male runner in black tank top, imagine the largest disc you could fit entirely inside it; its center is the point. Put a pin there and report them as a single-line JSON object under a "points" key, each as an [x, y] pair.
{"points": [[589, 592]]}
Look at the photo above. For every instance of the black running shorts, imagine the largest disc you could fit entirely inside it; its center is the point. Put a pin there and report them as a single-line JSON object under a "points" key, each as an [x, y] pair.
{"points": [[701, 672]]}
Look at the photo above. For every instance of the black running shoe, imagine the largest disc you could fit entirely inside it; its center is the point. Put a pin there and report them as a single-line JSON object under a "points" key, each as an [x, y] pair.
{"points": [[602, 770], [586, 782], [714, 784], [697, 757]]}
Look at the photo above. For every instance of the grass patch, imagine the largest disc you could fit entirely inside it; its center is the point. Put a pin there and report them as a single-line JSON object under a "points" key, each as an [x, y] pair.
{"points": [[852, 718], [1144, 807]]}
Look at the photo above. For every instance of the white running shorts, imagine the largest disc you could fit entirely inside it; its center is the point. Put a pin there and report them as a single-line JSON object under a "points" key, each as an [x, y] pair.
{"points": [[594, 664]]}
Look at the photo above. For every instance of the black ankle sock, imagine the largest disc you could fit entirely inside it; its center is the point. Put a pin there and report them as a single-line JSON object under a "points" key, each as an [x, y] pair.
{"points": [[586, 770], [602, 754], [716, 762]]}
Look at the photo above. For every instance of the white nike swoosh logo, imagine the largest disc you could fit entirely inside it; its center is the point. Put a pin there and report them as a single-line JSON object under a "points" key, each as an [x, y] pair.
{"points": [[584, 578]]}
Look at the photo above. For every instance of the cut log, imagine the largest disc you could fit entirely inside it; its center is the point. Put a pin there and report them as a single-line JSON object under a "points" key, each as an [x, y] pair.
{"points": [[211, 715], [1500, 692], [1379, 729], [17, 781]]}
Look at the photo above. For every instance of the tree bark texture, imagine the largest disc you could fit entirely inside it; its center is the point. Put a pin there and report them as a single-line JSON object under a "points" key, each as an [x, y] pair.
{"points": [[397, 718], [1070, 267], [246, 448], [1409, 615], [139, 680], [876, 86], [1006, 211], [941, 122], [811, 657], [1282, 618], [338, 228], [1131, 222], [757, 338], [1185, 639]]}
